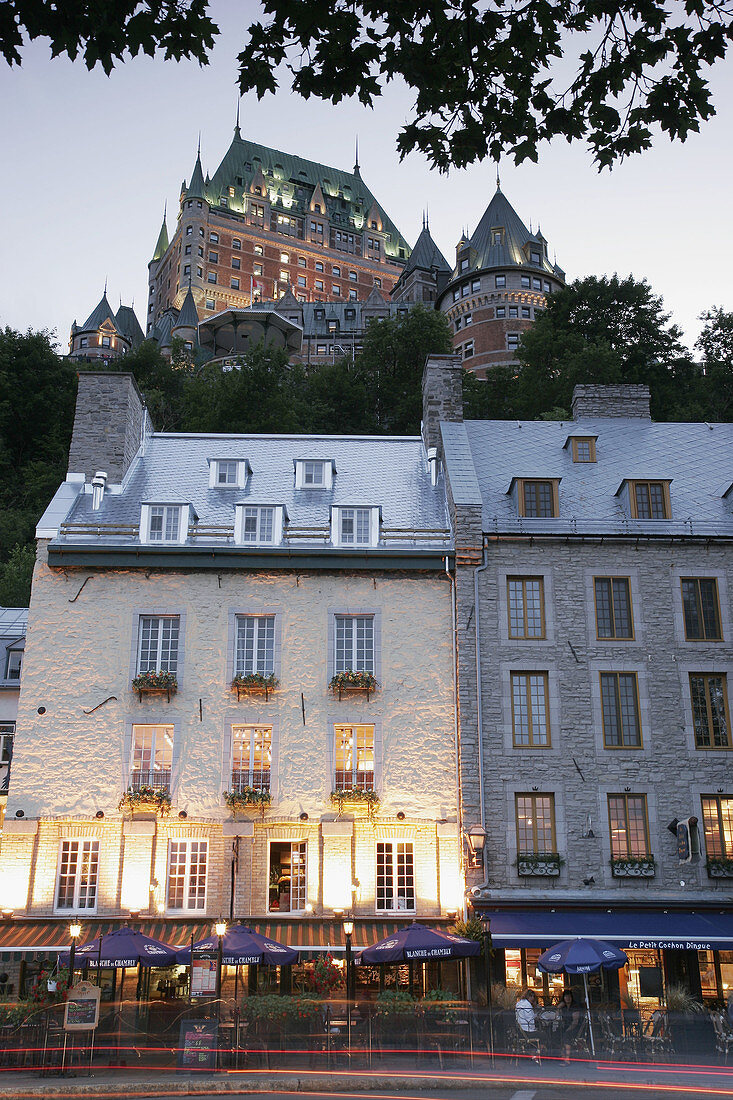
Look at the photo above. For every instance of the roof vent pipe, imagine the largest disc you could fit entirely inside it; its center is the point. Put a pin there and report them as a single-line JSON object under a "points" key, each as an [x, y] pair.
{"points": [[433, 461], [99, 483]]}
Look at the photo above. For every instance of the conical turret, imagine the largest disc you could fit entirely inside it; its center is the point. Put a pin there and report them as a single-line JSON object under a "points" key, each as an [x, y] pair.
{"points": [[161, 246]]}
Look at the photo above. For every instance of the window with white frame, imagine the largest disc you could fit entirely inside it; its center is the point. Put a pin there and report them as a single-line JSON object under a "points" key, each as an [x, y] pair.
{"points": [[163, 523], [255, 645], [152, 757], [354, 643], [186, 886], [78, 871], [395, 877], [258, 523], [355, 526], [353, 758], [7, 734], [157, 646], [288, 883], [313, 473], [251, 758], [226, 473], [13, 661]]}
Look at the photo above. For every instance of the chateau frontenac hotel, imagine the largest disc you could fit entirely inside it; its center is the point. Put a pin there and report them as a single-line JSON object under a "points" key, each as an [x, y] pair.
{"points": [[276, 247]]}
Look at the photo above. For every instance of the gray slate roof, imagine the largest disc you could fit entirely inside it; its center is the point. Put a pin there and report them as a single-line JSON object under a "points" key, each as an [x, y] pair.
{"points": [[426, 255], [128, 324], [389, 472], [101, 312], [696, 458], [500, 214]]}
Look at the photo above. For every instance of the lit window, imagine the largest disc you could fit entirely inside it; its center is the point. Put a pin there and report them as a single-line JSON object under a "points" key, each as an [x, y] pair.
{"points": [[284, 257], [257, 269], [251, 758], [613, 608], [710, 714], [186, 885], [78, 870], [620, 708], [284, 276], [258, 250], [152, 757], [535, 817], [353, 758], [255, 645], [288, 881], [717, 818], [627, 820], [530, 710], [395, 877], [526, 604], [157, 646]]}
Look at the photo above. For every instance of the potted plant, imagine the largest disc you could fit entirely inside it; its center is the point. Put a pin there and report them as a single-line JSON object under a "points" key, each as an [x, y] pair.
{"points": [[541, 864], [246, 798], [351, 680], [254, 683], [146, 798], [355, 796], [719, 867], [154, 682], [633, 867]]}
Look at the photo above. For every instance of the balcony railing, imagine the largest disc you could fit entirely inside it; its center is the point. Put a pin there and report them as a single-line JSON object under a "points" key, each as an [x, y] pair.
{"points": [[260, 781], [159, 778]]}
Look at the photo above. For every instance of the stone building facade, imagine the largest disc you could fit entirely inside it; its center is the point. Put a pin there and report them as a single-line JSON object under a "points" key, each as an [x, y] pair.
{"points": [[212, 557], [592, 593]]}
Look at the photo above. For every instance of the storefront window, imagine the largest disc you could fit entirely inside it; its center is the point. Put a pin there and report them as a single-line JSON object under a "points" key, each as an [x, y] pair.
{"points": [[521, 971]]}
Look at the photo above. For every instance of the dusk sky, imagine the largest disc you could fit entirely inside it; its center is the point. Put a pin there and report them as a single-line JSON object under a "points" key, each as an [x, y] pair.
{"points": [[89, 162]]}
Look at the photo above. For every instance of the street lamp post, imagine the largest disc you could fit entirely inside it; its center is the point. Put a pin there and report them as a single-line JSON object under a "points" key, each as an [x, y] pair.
{"points": [[348, 933], [486, 928], [220, 928], [74, 932]]}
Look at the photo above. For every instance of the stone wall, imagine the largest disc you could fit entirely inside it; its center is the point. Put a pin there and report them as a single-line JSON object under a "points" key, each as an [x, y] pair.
{"points": [[108, 425], [592, 401]]}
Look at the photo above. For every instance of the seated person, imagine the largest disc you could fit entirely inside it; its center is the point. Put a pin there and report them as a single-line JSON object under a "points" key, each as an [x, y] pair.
{"points": [[524, 1012]]}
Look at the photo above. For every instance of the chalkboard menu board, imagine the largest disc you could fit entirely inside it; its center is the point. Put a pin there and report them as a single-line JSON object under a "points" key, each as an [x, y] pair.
{"points": [[197, 1044], [82, 1007]]}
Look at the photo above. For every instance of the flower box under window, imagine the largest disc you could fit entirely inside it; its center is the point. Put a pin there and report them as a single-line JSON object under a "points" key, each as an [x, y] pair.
{"points": [[351, 682], [354, 798], [155, 683], [254, 683], [719, 868], [641, 867], [248, 798], [539, 864], [146, 799]]}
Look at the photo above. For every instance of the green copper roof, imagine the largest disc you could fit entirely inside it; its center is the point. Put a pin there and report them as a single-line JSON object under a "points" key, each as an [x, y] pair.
{"points": [[513, 246], [162, 246], [291, 181], [103, 312]]}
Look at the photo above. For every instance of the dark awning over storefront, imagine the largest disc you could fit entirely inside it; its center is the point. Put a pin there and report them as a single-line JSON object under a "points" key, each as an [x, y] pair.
{"points": [[676, 930]]}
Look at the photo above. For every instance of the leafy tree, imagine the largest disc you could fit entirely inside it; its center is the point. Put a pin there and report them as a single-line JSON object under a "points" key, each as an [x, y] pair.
{"points": [[16, 575], [716, 346], [391, 365], [490, 77], [605, 330]]}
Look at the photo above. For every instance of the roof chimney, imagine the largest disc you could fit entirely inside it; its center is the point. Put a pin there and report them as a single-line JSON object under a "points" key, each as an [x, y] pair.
{"points": [[590, 402], [442, 396], [109, 424]]}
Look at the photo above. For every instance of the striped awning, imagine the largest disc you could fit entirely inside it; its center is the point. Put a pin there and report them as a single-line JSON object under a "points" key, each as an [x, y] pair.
{"points": [[314, 934]]}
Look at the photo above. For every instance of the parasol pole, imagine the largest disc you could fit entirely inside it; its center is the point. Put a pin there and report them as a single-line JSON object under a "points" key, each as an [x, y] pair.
{"points": [[587, 1009]]}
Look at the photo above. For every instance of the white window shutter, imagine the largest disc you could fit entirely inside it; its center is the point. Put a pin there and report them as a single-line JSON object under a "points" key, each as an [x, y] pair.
{"points": [[331, 734], [378, 759], [275, 762]]}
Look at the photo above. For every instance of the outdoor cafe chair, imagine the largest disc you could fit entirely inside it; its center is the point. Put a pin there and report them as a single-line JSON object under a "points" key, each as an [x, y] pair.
{"points": [[723, 1035], [524, 1043]]}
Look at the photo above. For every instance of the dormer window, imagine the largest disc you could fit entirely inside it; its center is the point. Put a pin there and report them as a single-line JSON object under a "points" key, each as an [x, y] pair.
{"points": [[228, 473], [164, 522], [537, 499], [314, 473], [583, 447], [355, 526], [649, 499], [497, 235], [258, 524], [535, 257]]}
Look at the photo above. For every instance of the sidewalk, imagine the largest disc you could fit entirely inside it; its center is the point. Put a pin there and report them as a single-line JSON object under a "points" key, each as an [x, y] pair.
{"points": [[29, 1085]]}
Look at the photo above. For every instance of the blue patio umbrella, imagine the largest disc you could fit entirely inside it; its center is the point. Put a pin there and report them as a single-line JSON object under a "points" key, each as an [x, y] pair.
{"points": [[418, 942], [125, 947], [582, 956], [243, 947]]}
